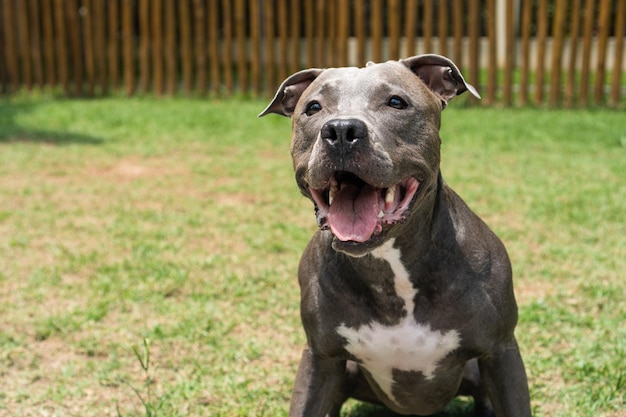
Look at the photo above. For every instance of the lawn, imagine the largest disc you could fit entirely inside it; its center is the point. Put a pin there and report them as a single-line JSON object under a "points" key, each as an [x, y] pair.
{"points": [[148, 250]]}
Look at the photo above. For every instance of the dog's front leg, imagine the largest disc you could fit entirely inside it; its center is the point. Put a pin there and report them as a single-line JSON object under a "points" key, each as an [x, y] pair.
{"points": [[505, 379], [319, 386]]}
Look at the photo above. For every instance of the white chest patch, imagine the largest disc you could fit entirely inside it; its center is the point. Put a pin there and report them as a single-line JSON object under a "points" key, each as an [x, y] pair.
{"points": [[405, 346]]}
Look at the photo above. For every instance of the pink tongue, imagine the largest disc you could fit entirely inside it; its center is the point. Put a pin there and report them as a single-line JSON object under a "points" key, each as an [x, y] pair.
{"points": [[354, 213]]}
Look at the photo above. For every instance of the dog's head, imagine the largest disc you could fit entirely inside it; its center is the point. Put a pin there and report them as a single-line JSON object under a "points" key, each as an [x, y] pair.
{"points": [[365, 141]]}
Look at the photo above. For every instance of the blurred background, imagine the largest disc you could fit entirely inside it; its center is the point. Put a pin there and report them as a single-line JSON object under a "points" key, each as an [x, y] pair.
{"points": [[559, 52]]}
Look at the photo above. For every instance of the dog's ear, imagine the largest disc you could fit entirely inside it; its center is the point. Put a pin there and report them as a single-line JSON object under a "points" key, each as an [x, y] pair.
{"points": [[441, 75], [289, 92]]}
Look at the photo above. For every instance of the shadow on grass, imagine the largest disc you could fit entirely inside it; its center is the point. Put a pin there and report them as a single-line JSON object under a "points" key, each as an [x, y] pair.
{"points": [[459, 407], [11, 131]]}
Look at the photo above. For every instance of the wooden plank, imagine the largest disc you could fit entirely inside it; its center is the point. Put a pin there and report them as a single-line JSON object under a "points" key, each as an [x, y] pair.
{"points": [[144, 45], [171, 67], [185, 45], [213, 41], [620, 22], [24, 44], [35, 49], [309, 32], [157, 31], [359, 32], [10, 39], [603, 24], [587, 35], [283, 33], [200, 47], [474, 39], [343, 27], [87, 36], [542, 30], [525, 66], [427, 19], [377, 30], [75, 53], [128, 50], [330, 18], [510, 54], [443, 13], [99, 19], [558, 29], [268, 22], [255, 47], [3, 71], [49, 63], [61, 45], [393, 23], [320, 34], [492, 53], [570, 83], [458, 31], [227, 51], [242, 55], [294, 35], [410, 27], [113, 49]]}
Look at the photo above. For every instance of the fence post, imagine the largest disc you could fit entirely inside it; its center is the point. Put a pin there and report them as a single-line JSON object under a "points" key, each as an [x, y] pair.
{"points": [[603, 35], [186, 49], [542, 31], [458, 31], [474, 39], [570, 84], [410, 23], [144, 45], [129, 64], [557, 51], [200, 49], [443, 27], [393, 22], [427, 19], [48, 43], [88, 46], [213, 40], [268, 21], [24, 44], [294, 63], [34, 21], [240, 30], [619, 54], [377, 30], [511, 51], [493, 63], [587, 32], [113, 45]]}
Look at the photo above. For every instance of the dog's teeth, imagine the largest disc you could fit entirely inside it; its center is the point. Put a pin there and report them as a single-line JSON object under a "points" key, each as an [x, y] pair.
{"points": [[381, 214], [331, 194], [390, 196]]}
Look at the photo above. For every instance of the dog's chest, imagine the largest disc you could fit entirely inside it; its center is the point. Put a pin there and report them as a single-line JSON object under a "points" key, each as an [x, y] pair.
{"points": [[406, 346]]}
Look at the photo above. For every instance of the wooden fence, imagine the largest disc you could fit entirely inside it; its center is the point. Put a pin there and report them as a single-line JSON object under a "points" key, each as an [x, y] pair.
{"points": [[556, 52]]}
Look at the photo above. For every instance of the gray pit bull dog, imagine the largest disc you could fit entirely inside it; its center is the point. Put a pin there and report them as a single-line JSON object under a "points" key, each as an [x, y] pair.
{"points": [[407, 296]]}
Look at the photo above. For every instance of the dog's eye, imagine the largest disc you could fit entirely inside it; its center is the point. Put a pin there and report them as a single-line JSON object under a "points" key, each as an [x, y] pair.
{"points": [[397, 103], [312, 108]]}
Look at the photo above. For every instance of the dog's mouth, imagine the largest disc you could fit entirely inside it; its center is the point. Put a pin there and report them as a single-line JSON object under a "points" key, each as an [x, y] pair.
{"points": [[356, 211]]}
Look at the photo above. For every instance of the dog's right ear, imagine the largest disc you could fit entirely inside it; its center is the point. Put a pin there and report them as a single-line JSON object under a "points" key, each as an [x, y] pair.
{"points": [[289, 92]]}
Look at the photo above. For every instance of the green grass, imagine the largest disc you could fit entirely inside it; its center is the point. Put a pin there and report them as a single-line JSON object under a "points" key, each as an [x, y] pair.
{"points": [[176, 223]]}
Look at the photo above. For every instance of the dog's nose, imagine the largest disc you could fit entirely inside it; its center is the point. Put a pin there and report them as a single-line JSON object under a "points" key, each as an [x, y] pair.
{"points": [[343, 134]]}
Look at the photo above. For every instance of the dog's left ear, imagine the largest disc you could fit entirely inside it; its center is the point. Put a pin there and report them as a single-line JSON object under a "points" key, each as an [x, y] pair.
{"points": [[441, 75], [289, 92]]}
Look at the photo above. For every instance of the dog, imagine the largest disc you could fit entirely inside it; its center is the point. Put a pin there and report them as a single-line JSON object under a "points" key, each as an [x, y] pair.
{"points": [[406, 295]]}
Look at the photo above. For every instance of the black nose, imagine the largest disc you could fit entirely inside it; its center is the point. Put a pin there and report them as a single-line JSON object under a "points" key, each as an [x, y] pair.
{"points": [[344, 133]]}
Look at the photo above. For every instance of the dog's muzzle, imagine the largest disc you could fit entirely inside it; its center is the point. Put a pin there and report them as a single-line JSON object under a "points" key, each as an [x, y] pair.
{"points": [[356, 211]]}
